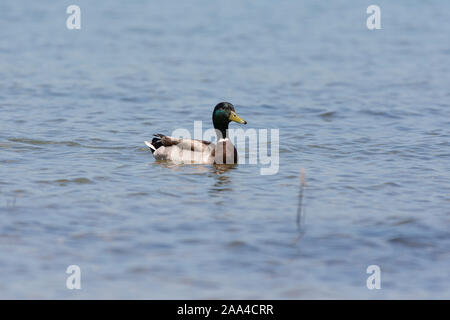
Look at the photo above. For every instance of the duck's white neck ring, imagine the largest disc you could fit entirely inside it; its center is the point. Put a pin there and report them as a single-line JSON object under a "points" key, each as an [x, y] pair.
{"points": [[222, 134]]}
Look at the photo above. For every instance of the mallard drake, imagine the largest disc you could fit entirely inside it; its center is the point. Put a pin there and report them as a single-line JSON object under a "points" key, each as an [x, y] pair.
{"points": [[201, 151]]}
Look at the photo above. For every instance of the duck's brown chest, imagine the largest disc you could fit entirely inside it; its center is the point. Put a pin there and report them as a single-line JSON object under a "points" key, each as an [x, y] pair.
{"points": [[225, 153]]}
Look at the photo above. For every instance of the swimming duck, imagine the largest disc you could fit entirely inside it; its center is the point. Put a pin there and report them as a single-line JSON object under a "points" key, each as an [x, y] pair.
{"points": [[201, 151]]}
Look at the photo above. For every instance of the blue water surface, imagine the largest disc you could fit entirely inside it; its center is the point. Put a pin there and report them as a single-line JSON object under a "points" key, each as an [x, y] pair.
{"points": [[365, 113]]}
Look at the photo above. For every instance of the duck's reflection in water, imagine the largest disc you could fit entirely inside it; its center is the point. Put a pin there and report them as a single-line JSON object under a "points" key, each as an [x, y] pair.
{"points": [[216, 169], [219, 172], [223, 182], [222, 168]]}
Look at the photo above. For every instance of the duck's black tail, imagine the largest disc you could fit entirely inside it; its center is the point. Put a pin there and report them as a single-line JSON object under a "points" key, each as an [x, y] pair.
{"points": [[156, 142]]}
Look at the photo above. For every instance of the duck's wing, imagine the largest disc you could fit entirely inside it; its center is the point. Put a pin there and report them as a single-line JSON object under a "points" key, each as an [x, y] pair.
{"points": [[179, 149], [189, 144]]}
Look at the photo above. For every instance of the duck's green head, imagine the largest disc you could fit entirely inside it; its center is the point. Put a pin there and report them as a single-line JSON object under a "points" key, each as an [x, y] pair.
{"points": [[223, 114]]}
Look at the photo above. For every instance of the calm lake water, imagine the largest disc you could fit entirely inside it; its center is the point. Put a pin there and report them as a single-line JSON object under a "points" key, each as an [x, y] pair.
{"points": [[365, 113]]}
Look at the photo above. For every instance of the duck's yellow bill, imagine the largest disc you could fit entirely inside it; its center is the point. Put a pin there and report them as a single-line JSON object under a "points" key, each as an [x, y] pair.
{"points": [[234, 117]]}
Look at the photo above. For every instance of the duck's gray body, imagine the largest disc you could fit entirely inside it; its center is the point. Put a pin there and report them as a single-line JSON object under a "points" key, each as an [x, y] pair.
{"points": [[192, 151]]}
